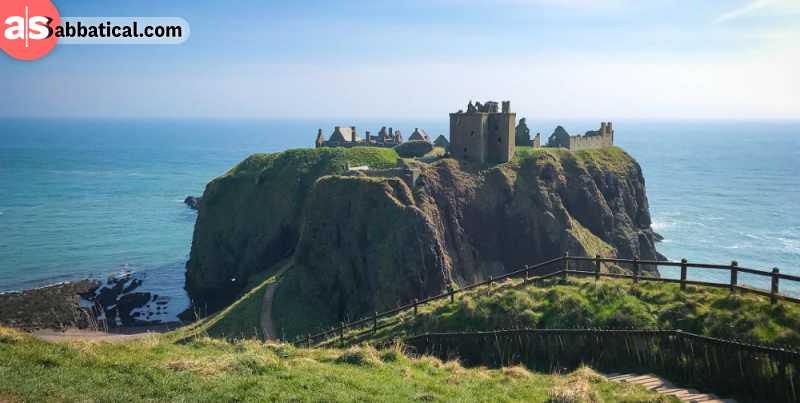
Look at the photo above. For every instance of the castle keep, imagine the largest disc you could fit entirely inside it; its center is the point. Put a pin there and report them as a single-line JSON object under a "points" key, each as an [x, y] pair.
{"points": [[482, 133]]}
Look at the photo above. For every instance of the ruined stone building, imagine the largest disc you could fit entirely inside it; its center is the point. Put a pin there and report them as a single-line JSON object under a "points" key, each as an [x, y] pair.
{"points": [[523, 136], [348, 137], [592, 139], [419, 135], [482, 133]]}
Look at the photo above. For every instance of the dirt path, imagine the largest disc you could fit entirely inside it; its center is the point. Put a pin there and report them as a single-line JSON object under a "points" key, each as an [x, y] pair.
{"points": [[267, 325], [115, 336]]}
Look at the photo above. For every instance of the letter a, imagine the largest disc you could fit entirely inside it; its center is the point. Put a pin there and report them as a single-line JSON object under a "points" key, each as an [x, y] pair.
{"points": [[16, 29]]}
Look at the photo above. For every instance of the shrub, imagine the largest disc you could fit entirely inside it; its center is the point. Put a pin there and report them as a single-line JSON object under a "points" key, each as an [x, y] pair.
{"points": [[413, 149]]}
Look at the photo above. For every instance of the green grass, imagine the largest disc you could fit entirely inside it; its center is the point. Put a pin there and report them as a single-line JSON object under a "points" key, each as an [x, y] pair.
{"points": [[375, 157], [610, 159], [212, 370], [582, 303]]}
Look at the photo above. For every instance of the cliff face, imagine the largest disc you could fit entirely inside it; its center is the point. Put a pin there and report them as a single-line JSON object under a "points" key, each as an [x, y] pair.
{"points": [[250, 217], [366, 244], [369, 244]]}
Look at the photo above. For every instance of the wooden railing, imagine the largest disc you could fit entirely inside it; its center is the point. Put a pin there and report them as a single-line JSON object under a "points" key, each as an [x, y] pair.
{"points": [[566, 266], [751, 372]]}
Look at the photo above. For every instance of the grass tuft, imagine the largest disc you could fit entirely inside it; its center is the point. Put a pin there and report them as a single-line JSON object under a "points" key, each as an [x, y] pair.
{"points": [[360, 356]]}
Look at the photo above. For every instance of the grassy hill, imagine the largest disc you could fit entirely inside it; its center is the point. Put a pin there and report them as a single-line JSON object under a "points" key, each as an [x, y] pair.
{"points": [[211, 370], [582, 303]]}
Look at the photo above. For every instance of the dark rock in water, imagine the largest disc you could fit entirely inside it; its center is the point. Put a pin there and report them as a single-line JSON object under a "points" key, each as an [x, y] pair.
{"points": [[127, 303], [193, 202], [116, 301], [57, 306], [658, 237]]}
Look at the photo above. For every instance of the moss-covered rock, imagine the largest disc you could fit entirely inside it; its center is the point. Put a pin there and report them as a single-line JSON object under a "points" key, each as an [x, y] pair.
{"points": [[251, 216]]}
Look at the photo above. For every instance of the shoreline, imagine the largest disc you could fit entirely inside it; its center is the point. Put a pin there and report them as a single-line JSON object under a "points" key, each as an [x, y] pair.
{"points": [[121, 301]]}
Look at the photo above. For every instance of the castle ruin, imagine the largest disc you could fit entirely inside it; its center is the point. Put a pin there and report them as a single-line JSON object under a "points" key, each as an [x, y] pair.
{"points": [[523, 136], [485, 133], [348, 137], [593, 139], [482, 133]]}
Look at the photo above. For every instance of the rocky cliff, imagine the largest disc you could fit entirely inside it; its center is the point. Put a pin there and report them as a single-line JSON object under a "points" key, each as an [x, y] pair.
{"points": [[250, 217], [361, 244]]}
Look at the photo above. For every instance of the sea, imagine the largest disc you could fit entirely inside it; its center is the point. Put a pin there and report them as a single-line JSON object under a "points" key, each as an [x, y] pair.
{"points": [[98, 198]]}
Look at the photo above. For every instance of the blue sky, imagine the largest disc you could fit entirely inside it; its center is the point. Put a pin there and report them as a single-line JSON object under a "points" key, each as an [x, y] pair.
{"points": [[414, 58]]}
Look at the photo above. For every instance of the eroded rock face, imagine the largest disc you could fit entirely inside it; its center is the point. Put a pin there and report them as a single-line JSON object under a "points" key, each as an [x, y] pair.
{"points": [[369, 244], [366, 244]]}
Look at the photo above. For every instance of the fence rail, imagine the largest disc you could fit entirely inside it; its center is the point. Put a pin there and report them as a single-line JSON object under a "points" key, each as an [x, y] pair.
{"points": [[564, 269], [728, 367]]}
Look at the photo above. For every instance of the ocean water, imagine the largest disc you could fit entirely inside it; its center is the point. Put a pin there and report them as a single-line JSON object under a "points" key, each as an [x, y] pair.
{"points": [[93, 198]]}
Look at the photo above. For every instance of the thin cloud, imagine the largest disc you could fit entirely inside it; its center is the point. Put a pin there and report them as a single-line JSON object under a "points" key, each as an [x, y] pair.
{"points": [[759, 7]]}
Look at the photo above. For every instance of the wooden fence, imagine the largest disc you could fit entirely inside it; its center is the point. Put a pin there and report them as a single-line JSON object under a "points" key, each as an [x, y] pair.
{"points": [[731, 368], [565, 266]]}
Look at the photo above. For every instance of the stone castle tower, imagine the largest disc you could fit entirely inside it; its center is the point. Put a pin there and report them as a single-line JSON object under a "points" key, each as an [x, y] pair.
{"points": [[482, 133]]}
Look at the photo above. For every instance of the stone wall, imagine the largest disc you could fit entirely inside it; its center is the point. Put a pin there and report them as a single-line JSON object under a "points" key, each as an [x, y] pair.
{"points": [[589, 142], [499, 140]]}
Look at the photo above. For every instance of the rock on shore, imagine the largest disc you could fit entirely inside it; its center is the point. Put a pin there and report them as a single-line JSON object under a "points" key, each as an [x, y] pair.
{"points": [[57, 306]]}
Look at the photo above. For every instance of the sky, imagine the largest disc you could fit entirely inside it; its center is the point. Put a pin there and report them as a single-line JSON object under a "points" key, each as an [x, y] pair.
{"points": [[609, 59]]}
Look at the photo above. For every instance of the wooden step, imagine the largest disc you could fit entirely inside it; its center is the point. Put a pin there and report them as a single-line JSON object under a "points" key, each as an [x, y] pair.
{"points": [[664, 387]]}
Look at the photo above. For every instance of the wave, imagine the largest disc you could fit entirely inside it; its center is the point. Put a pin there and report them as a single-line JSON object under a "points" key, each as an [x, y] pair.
{"points": [[659, 225]]}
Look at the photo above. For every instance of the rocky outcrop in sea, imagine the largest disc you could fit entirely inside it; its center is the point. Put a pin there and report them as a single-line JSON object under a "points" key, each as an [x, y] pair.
{"points": [[362, 244]]}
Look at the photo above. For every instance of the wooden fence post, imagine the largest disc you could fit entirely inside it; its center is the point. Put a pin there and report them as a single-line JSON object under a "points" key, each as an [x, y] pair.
{"points": [[341, 334], [452, 295], [773, 294], [491, 279], [416, 302], [734, 275], [636, 269], [375, 323], [566, 265], [308, 340], [683, 274], [526, 273], [597, 267]]}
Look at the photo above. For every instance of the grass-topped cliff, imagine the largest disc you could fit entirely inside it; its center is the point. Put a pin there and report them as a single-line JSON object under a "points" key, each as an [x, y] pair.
{"points": [[369, 244], [359, 244], [251, 216], [210, 370]]}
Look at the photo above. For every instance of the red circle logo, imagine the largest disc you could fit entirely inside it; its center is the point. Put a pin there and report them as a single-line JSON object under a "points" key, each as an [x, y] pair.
{"points": [[27, 28]]}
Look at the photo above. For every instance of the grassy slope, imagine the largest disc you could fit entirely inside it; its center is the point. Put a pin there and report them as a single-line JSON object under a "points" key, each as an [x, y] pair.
{"points": [[613, 159], [205, 369], [608, 304]]}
